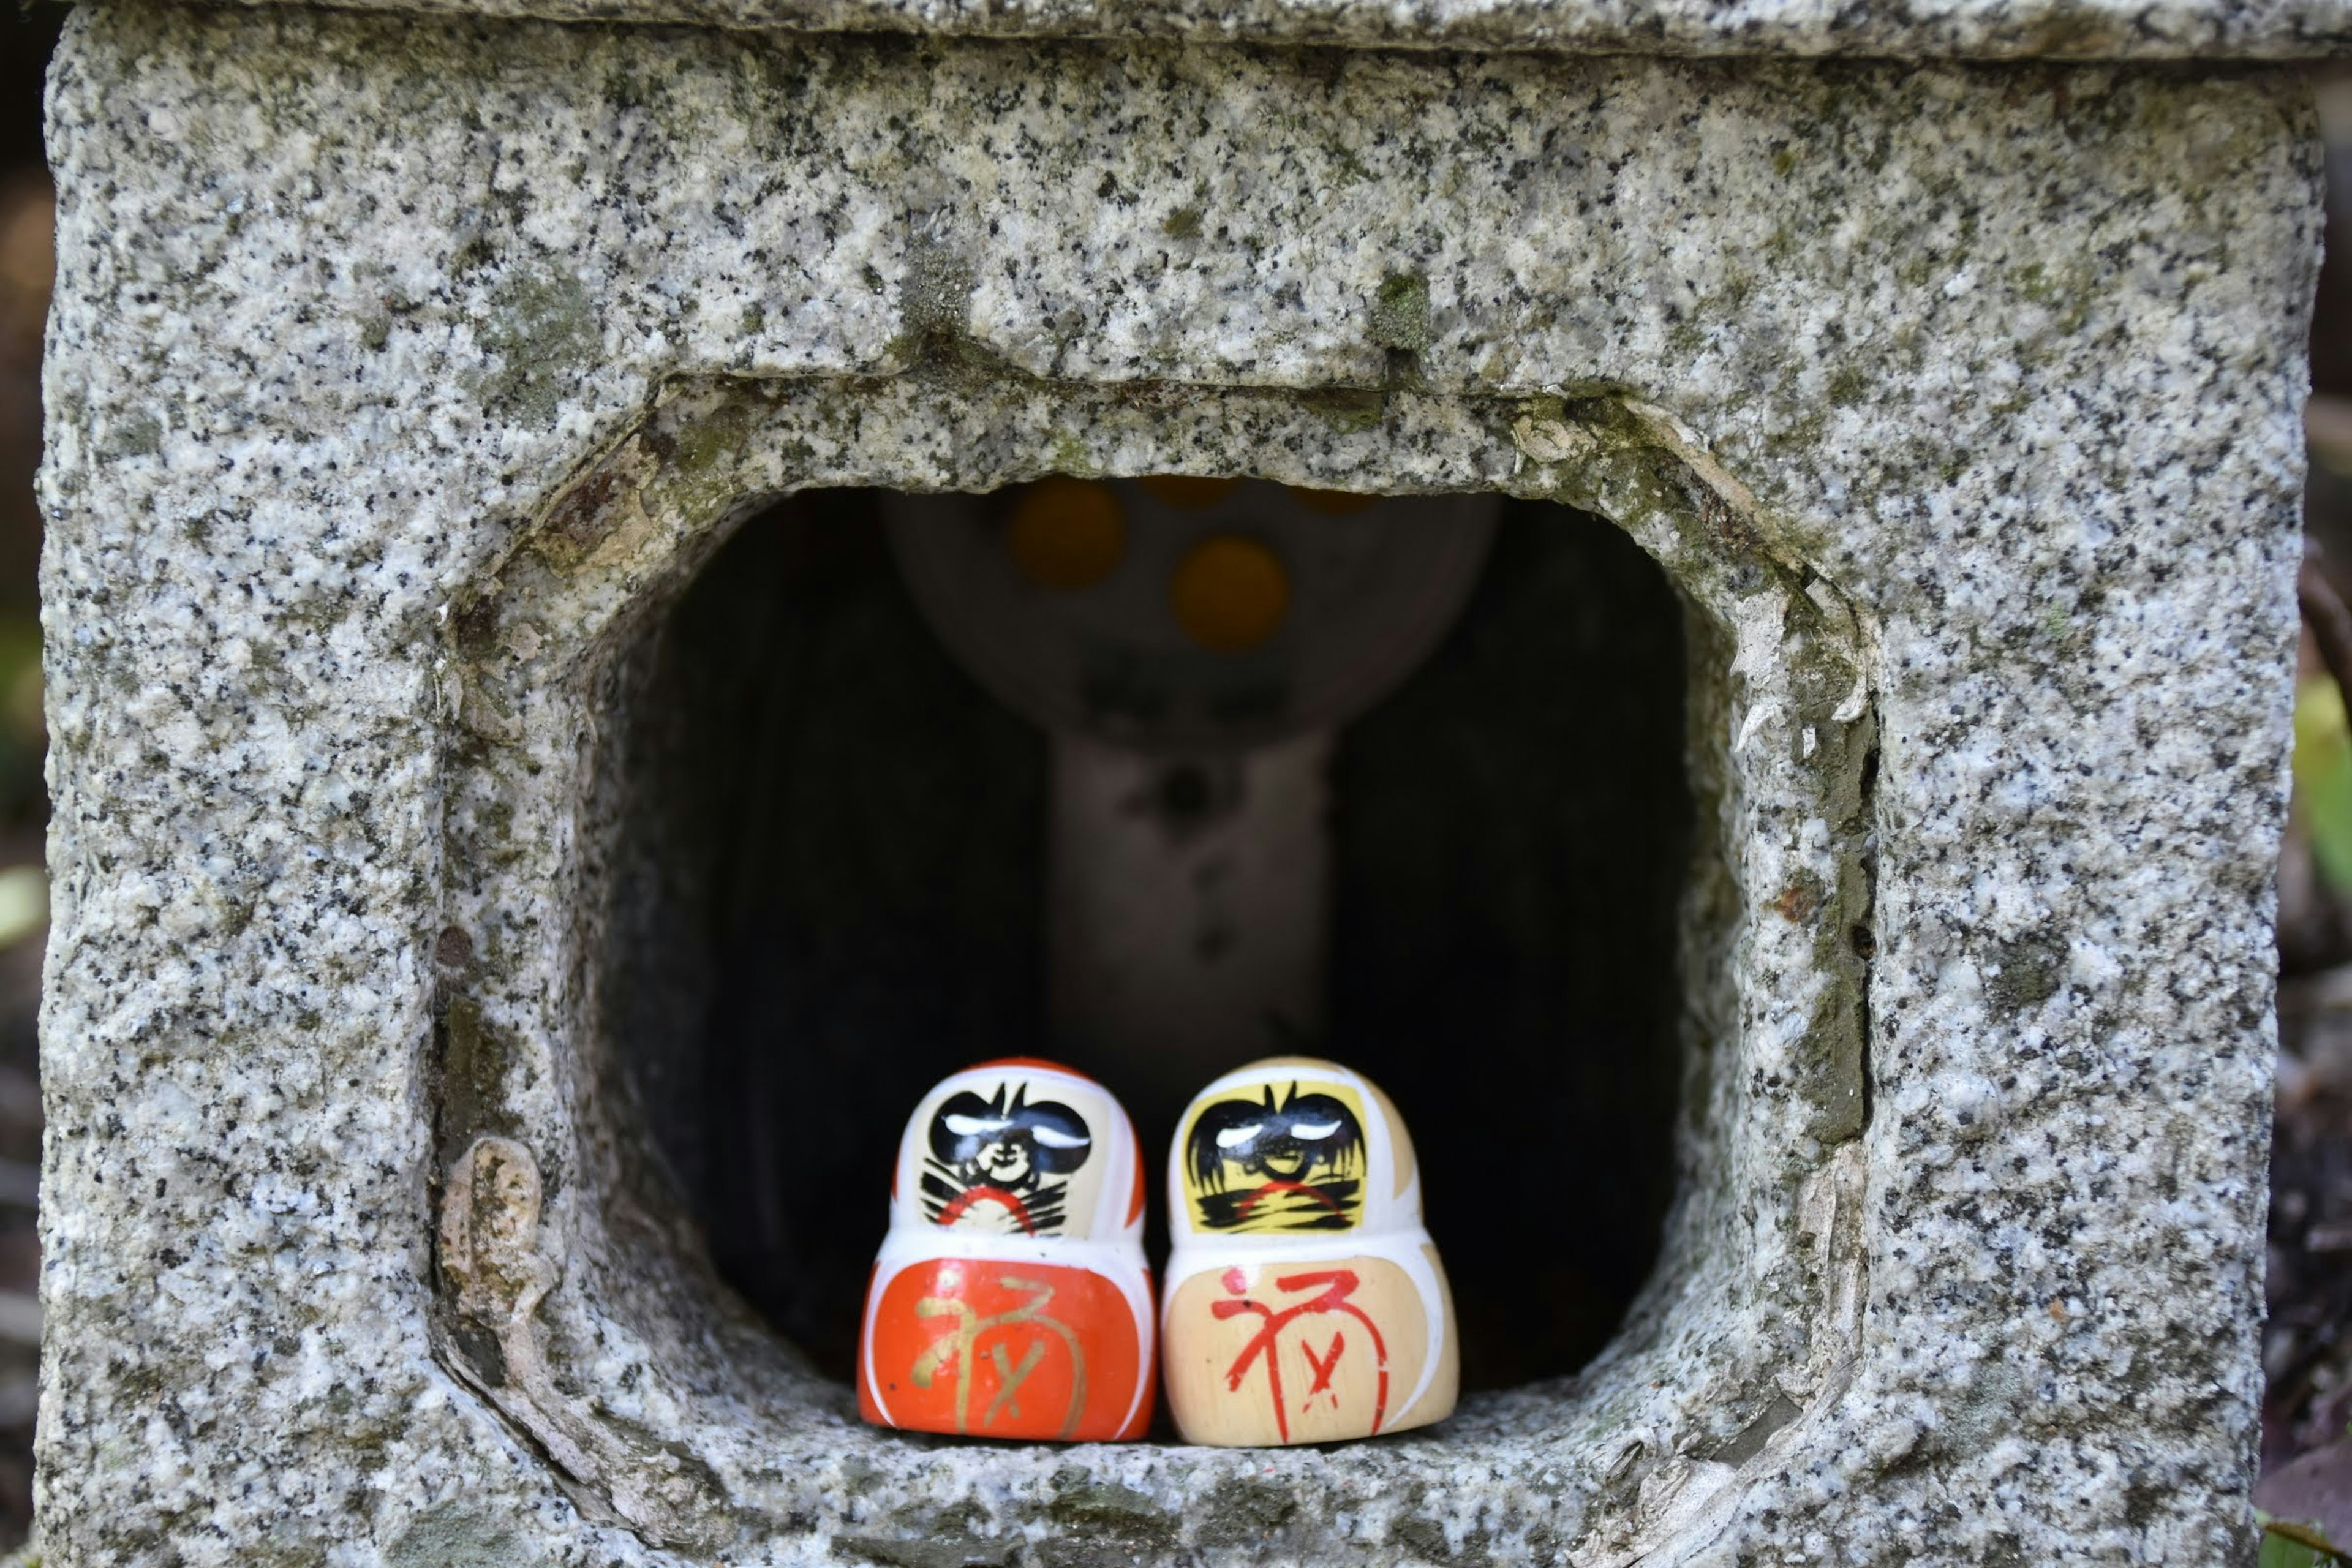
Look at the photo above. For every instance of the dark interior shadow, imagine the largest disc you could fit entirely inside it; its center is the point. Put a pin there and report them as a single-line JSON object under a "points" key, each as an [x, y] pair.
{"points": [[828, 893]]}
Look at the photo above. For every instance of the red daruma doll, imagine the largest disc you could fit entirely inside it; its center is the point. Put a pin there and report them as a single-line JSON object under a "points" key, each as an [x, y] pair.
{"points": [[1011, 1298]]}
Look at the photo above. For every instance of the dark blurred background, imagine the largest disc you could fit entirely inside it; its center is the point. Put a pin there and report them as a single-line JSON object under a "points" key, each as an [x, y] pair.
{"points": [[2307, 1345], [26, 255], [2307, 1350], [837, 845]]}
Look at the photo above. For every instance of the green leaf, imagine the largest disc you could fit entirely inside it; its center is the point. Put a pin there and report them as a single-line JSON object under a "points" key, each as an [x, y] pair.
{"points": [[2283, 1549], [2323, 778], [2278, 1552]]}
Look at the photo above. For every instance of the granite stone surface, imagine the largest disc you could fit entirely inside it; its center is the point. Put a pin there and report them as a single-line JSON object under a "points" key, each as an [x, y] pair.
{"points": [[1920, 29], [403, 371]]}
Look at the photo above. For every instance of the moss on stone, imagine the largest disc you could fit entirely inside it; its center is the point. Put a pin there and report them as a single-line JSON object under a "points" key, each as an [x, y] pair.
{"points": [[1108, 1511], [542, 327], [1401, 312], [1346, 409]]}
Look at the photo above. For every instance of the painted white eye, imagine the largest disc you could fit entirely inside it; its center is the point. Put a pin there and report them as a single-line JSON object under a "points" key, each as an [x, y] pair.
{"points": [[1054, 1138], [1313, 1129], [972, 1126], [1235, 1137]]}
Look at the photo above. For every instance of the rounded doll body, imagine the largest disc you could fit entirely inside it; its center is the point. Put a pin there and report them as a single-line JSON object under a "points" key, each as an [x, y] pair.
{"points": [[1010, 1298], [1305, 1302]]}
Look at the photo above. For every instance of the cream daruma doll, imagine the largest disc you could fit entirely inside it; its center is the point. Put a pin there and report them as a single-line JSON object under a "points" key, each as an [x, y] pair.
{"points": [[1011, 1298], [1305, 1301]]}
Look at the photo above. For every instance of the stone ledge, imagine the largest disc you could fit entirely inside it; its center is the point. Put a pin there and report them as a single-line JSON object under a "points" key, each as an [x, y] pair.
{"points": [[1933, 29]]}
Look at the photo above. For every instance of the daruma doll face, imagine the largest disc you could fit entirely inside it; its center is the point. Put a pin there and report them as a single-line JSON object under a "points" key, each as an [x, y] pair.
{"points": [[1283, 1158], [1005, 1161], [1019, 1148]]}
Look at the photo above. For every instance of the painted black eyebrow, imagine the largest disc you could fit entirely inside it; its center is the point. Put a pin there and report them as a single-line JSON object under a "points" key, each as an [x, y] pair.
{"points": [[1063, 1120], [948, 1147], [1327, 1108], [944, 1142], [1201, 1146]]}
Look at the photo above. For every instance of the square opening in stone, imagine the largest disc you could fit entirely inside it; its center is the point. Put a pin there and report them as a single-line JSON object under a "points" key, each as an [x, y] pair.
{"points": [[835, 871], [739, 857]]}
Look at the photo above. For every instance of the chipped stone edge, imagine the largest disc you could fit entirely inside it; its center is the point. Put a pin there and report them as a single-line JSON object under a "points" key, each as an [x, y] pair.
{"points": [[614, 543]]}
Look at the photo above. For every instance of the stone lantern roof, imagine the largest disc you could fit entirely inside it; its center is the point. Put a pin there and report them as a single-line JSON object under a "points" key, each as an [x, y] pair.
{"points": [[2078, 30]]}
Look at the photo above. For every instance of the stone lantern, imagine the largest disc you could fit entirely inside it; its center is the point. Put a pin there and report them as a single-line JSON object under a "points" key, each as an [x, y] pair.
{"points": [[1942, 363]]}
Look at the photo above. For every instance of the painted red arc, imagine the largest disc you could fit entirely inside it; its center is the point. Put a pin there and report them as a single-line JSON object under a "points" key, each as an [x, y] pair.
{"points": [[955, 1208], [1317, 1194]]}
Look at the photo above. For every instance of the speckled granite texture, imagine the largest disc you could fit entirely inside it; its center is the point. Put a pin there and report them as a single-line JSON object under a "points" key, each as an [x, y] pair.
{"points": [[1922, 30], [402, 370]]}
